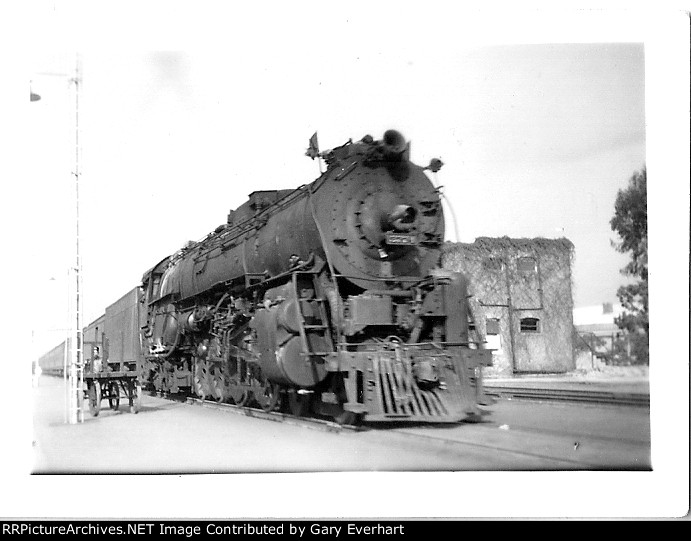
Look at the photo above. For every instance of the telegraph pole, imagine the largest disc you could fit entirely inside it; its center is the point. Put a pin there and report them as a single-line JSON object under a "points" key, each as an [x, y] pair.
{"points": [[76, 410], [73, 370]]}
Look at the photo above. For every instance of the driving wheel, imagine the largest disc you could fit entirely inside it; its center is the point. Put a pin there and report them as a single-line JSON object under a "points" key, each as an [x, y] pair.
{"points": [[270, 396]]}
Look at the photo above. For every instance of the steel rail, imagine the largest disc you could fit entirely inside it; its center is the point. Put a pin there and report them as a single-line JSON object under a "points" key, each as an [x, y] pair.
{"points": [[551, 461], [405, 433], [570, 395]]}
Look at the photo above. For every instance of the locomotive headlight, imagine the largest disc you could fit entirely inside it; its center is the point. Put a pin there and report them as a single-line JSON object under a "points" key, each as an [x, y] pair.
{"points": [[402, 218], [384, 219]]}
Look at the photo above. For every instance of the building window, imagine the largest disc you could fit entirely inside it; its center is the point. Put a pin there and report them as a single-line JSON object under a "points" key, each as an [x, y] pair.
{"points": [[526, 264], [530, 324], [492, 326]]}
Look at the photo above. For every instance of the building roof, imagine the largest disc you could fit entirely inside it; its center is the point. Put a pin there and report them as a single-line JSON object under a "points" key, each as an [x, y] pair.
{"points": [[597, 319], [600, 329], [598, 314]]}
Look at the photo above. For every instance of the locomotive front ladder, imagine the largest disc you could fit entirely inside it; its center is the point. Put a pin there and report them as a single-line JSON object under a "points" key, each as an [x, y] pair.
{"points": [[314, 325]]}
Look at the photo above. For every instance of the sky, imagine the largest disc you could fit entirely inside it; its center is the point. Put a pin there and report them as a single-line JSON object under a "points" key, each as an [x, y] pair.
{"points": [[536, 140], [540, 116]]}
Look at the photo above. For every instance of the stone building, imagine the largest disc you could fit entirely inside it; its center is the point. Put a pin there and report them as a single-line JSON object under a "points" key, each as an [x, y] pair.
{"points": [[521, 301]]}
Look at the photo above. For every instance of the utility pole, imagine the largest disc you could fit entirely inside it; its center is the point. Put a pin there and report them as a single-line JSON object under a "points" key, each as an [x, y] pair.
{"points": [[77, 365], [74, 343]]}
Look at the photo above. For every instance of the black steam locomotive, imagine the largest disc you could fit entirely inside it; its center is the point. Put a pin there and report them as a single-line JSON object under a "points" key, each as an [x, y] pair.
{"points": [[327, 299]]}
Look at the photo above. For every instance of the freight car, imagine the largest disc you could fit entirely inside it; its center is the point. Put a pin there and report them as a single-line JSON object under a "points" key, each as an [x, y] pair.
{"points": [[327, 299], [111, 356], [52, 363]]}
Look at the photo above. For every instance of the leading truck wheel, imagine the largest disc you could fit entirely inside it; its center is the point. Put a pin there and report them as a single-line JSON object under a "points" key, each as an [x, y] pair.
{"points": [[270, 397], [95, 398], [136, 400]]}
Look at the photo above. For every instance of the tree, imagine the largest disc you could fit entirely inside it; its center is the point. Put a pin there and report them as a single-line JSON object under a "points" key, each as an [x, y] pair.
{"points": [[630, 221]]}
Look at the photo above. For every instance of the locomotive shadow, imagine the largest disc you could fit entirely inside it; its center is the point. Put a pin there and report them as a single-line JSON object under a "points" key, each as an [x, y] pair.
{"points": [[384, 425]]}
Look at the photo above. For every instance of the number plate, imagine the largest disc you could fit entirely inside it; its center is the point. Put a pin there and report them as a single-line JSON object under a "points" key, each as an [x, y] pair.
{"points": [[398, 238]]}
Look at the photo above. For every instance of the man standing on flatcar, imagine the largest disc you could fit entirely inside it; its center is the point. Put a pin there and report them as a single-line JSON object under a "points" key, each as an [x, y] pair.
{"points": [[97, 364]]}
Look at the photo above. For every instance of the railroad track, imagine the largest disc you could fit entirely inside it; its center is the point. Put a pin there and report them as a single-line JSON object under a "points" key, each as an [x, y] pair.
{"points": [[520, 393], [571, 395], [517, 447]]}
